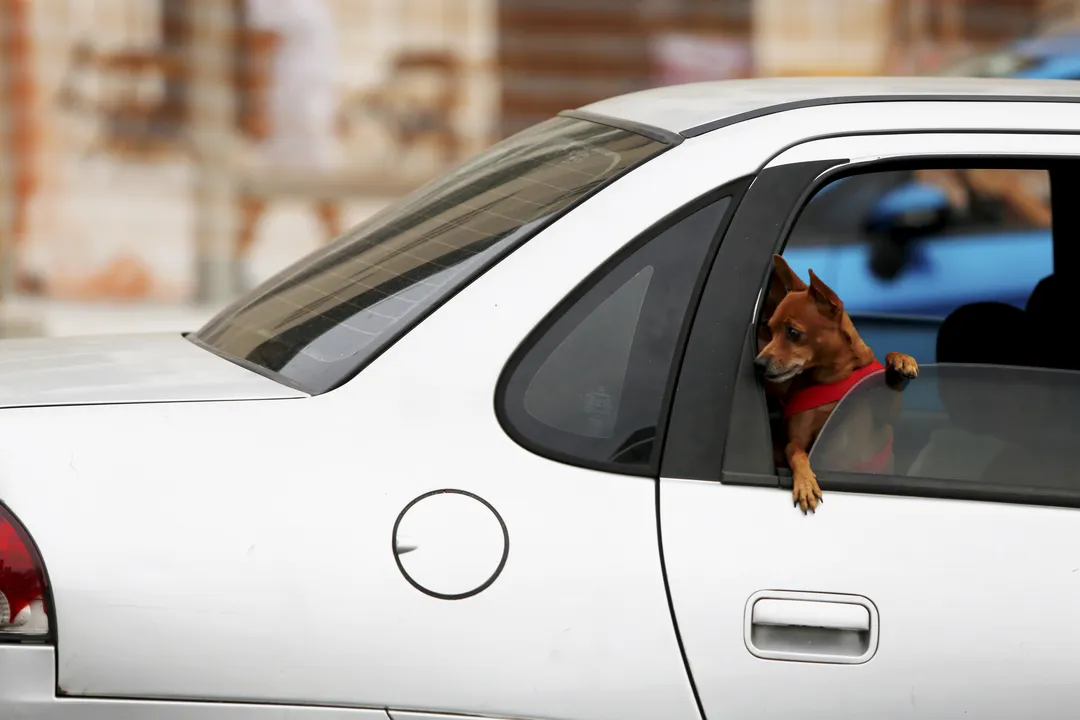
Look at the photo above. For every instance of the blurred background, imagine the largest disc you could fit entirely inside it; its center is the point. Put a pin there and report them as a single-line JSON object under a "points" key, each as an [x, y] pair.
{"points": [[159, 157]]}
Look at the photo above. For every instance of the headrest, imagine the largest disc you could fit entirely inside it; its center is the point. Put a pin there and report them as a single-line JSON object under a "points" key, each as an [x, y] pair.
{"points": [[1047, 308], [1047, 297], [984, 333], [987, 333]]}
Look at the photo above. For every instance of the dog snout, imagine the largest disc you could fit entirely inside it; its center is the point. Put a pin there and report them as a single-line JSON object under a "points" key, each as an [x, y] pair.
{"points": [[762, 361]]}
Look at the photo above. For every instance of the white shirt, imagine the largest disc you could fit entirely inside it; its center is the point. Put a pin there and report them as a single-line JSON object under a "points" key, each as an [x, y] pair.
{"points": [[304, 77]]}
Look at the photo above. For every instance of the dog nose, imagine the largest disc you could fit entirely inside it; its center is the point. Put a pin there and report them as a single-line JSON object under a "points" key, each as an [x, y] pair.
{"points": [[761, 361]]}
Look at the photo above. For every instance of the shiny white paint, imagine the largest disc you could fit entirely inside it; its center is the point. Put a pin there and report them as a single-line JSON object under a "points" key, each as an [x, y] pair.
{"points": [[242, 551], [679, 108], [156, 367], [975, 599], [28, 691]]}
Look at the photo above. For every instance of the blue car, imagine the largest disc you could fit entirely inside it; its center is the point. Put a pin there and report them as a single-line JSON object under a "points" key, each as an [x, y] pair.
{"points": [[887, 244], [882, 240]]}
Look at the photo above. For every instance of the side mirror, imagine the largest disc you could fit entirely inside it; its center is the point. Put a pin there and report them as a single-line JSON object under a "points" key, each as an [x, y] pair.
{"points": [[900, 217]]}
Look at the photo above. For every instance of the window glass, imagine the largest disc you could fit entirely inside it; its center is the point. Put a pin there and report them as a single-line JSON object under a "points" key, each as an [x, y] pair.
{"points": [[1009, 427], [954, 267], [316, 323], [907, 249], [569, 373], [590, 388], [924, 242]]}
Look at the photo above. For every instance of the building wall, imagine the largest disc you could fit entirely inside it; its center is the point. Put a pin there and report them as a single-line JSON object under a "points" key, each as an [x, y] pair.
{"points": [[871, 37], [95, 212], [559, 54], [820, 37]]}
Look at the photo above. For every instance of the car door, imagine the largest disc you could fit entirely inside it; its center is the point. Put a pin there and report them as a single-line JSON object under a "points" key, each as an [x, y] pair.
{"points": [[904, 595]]}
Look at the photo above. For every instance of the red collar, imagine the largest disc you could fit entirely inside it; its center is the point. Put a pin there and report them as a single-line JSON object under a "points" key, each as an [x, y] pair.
{"points": [[812, 396]]}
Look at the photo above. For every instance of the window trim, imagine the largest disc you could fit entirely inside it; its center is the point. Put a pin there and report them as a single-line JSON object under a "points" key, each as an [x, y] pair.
{"points": [[650, 131], [735, 190], [746, 450], [935, 489], [783, 107]]}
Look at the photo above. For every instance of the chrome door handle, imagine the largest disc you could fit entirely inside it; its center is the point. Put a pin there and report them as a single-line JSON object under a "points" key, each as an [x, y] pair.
{"points": [[811, 613], [810, 627]]}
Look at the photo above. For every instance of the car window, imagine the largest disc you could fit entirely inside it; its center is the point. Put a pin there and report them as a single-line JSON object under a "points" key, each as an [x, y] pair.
{"points": [[315, 324], [1011, 428], [922, 242], [589, 386]]}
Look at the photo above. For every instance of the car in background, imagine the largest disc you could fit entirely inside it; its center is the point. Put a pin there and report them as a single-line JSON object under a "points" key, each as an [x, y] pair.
{"points": [[1054, 56], [894, 232]]}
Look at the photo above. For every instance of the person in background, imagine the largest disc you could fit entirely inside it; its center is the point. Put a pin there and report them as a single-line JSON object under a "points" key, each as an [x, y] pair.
{"points": [[288, 74], [19, 94]]}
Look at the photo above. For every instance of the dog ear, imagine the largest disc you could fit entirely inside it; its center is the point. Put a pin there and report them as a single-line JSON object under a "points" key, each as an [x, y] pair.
{"points": [[786, 275], [829, 301]]}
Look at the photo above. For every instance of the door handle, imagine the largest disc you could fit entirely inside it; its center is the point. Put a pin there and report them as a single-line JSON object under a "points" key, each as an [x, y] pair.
{"points": [[810, 627], [811, 613]]}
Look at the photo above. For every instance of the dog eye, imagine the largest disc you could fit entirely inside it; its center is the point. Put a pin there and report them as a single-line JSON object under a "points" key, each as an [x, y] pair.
{"points": [[793, 334]]}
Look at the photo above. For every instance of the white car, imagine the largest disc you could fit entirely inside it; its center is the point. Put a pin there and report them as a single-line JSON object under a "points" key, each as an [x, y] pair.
{"points": [[500, 451]]}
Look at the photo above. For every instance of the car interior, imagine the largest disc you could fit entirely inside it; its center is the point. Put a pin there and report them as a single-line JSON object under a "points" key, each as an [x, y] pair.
{"points": [[998, 383]]}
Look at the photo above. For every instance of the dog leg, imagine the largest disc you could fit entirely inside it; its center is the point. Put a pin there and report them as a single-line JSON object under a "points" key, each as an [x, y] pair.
{"points": [[804, 490]]}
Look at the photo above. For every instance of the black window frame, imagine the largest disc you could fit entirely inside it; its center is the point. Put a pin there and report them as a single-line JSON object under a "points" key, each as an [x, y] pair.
{"points": [[735, 190], [718, 375], [710, 374]]}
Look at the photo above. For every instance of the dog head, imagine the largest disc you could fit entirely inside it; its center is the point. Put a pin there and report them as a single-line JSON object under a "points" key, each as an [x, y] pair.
{"points": [[804, 326]]}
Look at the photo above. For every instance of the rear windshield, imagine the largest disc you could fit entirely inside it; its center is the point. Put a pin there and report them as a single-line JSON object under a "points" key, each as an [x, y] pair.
{"points": [[317, 323]]}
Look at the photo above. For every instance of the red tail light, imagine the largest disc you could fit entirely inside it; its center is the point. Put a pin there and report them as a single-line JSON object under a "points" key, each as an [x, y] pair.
{"points": [[22, 581]]}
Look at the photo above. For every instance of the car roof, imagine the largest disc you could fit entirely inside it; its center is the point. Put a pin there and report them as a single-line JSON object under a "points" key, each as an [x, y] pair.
{"points": [[696, 108]]}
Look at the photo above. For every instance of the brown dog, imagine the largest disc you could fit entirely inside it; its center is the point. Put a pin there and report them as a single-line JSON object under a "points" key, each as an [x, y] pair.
{"points": [[811, 355]]}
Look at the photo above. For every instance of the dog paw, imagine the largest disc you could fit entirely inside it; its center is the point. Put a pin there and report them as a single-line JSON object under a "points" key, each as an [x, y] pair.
{"points": [[899, 368], [903, 365], [805, 492]]}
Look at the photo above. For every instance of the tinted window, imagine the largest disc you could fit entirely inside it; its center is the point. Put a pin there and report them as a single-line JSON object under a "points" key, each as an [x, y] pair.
{"points": [[315, 324], [590, 388], [1003, 427]]}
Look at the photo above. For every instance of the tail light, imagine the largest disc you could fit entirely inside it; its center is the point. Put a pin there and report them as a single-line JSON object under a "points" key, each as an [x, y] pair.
{"points": [[22, 582]]}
